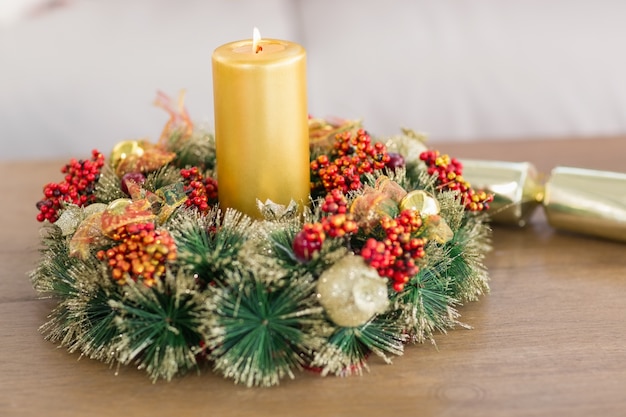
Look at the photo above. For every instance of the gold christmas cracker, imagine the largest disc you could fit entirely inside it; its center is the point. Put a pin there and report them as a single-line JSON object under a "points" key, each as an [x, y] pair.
{"points": [[515, 185], [585, 201]]}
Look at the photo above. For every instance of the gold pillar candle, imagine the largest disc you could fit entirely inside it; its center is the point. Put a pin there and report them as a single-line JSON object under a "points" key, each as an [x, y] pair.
{"points": [[515, 186], [261, 124], [587, 201]]}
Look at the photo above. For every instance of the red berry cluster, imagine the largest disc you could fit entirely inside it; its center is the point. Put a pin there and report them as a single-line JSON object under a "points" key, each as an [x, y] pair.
{"points": [[201, 192], [354, 155], [335, 202], [449, 172], [395, 256], [141, 255], [310, 239], [77, 187]]}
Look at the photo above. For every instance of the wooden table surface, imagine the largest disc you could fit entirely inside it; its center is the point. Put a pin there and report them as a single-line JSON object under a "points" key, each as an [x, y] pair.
{"points": [[550, 339]]}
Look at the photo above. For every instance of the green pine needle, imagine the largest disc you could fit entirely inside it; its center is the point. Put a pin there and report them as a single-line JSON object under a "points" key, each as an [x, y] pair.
{"points": [[159, 326], [207, 244], [281, 248], [464, 261], [258, 334], [197, 150], [109, 185], [425, 306], [52, 275], [347, 349], [83, 320], [162, 177]]}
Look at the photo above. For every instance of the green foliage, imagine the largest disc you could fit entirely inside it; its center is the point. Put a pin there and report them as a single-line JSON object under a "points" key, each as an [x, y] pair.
{"points": [[52, 275], [162, 177], [425, 306], [109, 185], [280, 243], [159, 327], [464, 261], [453, 274], [207, 244], [195, 150], [348, 348], [258, 334], [83, 320]]}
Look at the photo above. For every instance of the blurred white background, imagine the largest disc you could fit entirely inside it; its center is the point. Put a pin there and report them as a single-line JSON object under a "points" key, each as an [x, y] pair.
{"points": [[82, 74]]}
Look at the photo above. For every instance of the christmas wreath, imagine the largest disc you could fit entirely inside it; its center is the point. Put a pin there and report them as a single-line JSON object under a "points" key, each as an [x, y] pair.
{"points": [[148, 270]]}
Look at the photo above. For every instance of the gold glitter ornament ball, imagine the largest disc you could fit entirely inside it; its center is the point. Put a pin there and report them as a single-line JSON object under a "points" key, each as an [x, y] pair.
{"points": [[352, 292], [125, 149]]}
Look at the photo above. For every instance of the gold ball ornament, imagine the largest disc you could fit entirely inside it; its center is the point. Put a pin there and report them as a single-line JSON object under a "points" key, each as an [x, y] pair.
{"points": [[352, 292], [428, 207], [139, 156], [126, 149]]}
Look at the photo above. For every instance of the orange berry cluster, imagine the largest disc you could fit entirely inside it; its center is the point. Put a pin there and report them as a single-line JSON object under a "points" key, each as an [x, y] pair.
{"points": [[201, 192], [141, 255], [77, 187], [352, 156], [449, 173], [339, 225], [395, 256]]}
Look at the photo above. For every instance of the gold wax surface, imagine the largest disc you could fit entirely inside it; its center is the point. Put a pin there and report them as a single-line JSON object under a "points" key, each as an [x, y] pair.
{"points": [[261, 124]]}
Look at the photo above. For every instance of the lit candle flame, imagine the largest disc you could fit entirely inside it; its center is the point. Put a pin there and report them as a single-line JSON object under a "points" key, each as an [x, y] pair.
{"points": [[256, 39]]}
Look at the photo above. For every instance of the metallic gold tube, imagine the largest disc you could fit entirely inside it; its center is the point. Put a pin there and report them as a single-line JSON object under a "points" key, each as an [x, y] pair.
{"points": [[515, 186], [587, 201], [261, 124]]}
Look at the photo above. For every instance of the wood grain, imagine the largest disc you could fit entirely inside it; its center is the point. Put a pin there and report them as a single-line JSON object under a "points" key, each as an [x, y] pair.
{"points": [[549, 340]]}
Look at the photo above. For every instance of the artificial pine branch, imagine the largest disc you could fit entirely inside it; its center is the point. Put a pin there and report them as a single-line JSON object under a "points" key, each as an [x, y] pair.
{"points": [[51, 277], [162, 177], [425, 307], [464, 255], [109, 185], [348, 348], [259, 333], [83, 319], [207, 244], [159, 327], [195, 150], [281, 248]]}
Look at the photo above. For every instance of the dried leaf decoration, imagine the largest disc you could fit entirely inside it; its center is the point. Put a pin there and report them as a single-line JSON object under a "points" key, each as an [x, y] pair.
{"points": [[376, 202], [322, 132], [124, 211], [88, 232], [179, 118]]}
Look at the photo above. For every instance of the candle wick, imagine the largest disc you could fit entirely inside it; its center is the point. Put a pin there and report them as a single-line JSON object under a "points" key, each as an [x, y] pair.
{"points": [[259, 48]]}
